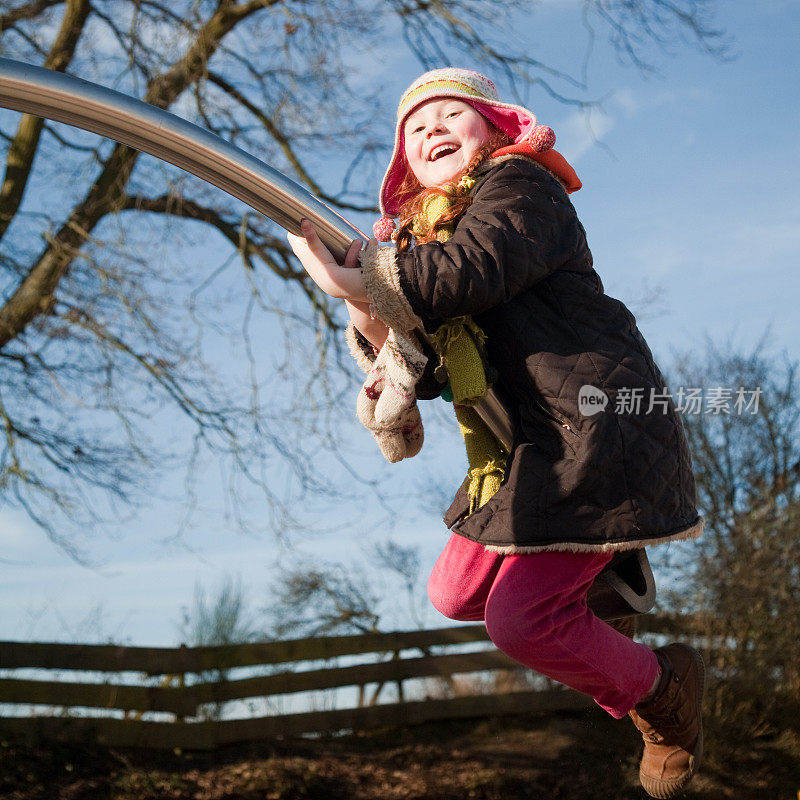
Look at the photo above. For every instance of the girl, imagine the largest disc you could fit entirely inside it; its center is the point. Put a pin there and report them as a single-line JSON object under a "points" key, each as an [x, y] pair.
{"points": [[500, 276]]}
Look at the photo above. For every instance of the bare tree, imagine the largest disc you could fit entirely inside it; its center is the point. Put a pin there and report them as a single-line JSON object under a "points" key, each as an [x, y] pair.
{"points": [[325, 600], [742, 578], [220, 618], [110, 312], [340, 598]]}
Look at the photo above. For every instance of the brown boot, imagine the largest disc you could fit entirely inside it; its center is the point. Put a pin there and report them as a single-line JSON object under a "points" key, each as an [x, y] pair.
{"points": [[671, 724], [625, 625]]}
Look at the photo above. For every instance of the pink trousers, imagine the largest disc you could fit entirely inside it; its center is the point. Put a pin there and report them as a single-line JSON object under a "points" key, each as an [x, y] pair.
{"points": [[534, 607]]}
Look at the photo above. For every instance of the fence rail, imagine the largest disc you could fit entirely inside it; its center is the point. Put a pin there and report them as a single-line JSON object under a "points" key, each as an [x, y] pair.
{"points": [[163, 661], [60, 704]]}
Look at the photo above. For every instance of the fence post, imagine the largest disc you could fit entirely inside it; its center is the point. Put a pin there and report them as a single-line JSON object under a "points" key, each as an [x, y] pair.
{"points": [[400, 696]]}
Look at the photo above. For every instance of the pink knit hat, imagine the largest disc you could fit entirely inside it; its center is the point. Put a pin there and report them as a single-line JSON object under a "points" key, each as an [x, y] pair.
{"points": [[477, 90]]}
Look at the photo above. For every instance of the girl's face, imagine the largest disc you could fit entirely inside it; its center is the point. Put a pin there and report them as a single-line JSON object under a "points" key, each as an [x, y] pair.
{"points": [[441, 138]]}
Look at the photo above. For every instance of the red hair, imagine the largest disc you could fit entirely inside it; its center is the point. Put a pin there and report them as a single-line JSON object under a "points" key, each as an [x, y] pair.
{"points": [[414, 195]]}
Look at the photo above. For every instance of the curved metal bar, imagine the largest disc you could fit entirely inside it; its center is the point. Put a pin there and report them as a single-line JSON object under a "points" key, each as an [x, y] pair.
{"points": [[65, 98]]}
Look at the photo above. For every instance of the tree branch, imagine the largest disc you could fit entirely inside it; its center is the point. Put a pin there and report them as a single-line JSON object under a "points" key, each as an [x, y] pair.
{"points": [[34, 295], [64, 142], [23, 148], [283, 143], [27, 11], [241, 241]]}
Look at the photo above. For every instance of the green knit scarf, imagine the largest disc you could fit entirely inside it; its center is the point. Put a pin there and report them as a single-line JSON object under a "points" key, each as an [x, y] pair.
{"points": [[459, 343]]}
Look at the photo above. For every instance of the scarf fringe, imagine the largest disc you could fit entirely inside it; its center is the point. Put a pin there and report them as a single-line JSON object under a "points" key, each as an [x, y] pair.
{"points": [[483, 482]]}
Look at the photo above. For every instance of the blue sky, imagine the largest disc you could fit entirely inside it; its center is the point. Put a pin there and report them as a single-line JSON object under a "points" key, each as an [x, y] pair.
{"points": [[689, 194]]}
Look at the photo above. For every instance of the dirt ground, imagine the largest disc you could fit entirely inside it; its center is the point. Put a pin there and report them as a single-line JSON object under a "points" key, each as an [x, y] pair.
{"points": [[576, 756]]}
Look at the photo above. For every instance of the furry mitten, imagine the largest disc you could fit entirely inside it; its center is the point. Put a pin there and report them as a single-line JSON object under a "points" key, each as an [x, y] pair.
{"points": [[403, 367], [403, 438], [372, 390], [386, 404]]}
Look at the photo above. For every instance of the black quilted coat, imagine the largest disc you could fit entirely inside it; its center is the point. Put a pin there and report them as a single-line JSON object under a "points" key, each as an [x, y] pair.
{"points": [[519, 264]]}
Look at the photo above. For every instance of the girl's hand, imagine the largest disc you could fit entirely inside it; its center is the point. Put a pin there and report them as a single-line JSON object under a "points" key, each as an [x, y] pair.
{"points": [[341, 281]]}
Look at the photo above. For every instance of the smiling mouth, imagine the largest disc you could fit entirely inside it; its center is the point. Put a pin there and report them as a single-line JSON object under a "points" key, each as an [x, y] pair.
{"points": [[442, 150]]}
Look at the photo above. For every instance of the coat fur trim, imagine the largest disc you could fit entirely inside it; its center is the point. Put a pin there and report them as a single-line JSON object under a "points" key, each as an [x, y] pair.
{"points": [[382, 283], [693, 532], [485, 166]]}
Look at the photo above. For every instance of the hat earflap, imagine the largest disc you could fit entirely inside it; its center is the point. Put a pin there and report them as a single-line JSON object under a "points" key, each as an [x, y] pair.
{"points": [[383, 229], [541, 138]]}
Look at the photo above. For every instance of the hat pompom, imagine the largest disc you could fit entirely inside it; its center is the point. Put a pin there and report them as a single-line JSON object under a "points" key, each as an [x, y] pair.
{"points": [[541, 138], [383, 229]]}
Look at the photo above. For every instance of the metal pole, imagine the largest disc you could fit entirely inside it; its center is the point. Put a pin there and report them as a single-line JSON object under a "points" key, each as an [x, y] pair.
{"points": [[65, 98]]}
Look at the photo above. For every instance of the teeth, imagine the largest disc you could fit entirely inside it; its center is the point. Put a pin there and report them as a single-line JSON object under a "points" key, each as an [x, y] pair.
{"points": [[437, 151]]}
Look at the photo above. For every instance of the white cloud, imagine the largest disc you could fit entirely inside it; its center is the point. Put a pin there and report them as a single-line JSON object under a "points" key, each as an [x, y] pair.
{"points": [[581, 131]]}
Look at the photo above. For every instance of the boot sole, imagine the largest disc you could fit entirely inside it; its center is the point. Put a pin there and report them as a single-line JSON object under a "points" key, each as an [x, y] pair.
{"points": [[663, 790]]}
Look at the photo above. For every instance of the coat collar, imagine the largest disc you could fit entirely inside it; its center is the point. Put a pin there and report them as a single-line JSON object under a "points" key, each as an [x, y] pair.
{"points": [[551, 160]]}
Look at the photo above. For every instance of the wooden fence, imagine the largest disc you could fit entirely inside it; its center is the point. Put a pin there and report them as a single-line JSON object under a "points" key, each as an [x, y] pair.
{"points": [[178, 683]]}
